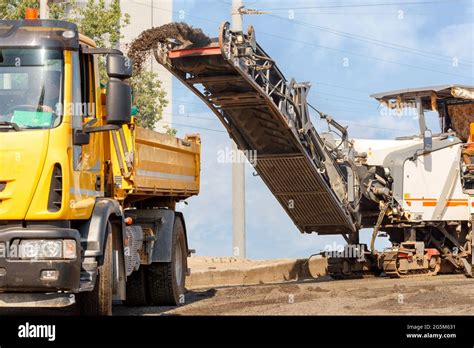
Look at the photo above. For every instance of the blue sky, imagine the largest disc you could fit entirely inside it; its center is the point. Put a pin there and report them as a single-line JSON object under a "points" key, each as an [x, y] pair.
{"points": [[347, 50]]}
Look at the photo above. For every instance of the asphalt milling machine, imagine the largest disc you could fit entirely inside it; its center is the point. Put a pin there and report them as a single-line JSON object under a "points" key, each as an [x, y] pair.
{"points": [[417, 189]]}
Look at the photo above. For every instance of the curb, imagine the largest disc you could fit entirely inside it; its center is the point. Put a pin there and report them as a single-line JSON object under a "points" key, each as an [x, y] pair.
{"points": [[280, 271]]}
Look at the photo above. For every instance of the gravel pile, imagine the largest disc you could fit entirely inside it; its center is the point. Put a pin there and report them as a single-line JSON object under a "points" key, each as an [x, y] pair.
{"points": [[139, 49]]}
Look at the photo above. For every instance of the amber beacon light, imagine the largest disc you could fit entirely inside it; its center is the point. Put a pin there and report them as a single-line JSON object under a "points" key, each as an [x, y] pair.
{"points": [[31, 13]]}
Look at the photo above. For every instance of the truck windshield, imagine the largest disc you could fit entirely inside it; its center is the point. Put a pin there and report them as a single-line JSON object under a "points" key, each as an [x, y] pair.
{"points": [[30, 88]]}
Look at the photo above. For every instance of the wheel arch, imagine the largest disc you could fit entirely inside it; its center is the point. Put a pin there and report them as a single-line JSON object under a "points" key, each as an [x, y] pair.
{"points": [[180, 216], [93, 231]]}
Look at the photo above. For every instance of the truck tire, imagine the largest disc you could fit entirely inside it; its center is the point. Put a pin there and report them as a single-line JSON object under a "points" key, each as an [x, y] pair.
{"points": [[166, 279], [99, 301], [137, 288]]}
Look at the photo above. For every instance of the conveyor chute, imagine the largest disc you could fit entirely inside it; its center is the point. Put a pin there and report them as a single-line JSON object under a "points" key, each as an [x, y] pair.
{"points": [[262, 111]]}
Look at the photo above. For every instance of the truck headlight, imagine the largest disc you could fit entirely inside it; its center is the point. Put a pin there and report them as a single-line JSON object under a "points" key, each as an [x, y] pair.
{"points": [[47, 249]]}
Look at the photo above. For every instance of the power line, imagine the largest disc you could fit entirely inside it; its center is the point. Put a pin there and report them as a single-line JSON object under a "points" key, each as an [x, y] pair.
{"points": [[321, 99], [347, 13], [326, 98], [334, 100], [360, 5], [330, 104], [191, 126], [183, 101], [364, 56], [318, 93], [323, 116], [359, 102], [341, 87], [352, 124], [349, 122], [348, 99], [314, 84], [320, 46], [373, 41], [198, 118], [216, 120], [201, 128]]}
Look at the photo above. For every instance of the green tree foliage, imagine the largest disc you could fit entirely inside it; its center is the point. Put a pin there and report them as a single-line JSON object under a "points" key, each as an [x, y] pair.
{"points": [[149, 98], [103, 23], [15, 9]]}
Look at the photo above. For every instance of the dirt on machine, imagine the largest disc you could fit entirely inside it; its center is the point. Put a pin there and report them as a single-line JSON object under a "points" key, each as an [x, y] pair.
{"points": [[176, 34]]}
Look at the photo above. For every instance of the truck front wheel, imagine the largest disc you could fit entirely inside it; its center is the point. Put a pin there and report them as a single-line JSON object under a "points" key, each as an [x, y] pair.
{"points": [[166, 280], [99, 300]]}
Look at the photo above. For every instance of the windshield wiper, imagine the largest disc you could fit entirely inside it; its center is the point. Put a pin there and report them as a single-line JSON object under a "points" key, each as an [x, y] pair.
{"points": [[33, 127], [13, 125]]}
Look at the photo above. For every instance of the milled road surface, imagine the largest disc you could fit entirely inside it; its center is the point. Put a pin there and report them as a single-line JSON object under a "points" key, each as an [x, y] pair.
{"points": [[441, 295]]}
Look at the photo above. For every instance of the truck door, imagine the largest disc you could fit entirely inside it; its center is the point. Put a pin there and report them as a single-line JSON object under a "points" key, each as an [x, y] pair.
{"points": [[87, 159]]}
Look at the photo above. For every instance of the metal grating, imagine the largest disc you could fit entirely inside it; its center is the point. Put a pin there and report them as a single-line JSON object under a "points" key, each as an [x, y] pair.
{"points": [[303, 193]]}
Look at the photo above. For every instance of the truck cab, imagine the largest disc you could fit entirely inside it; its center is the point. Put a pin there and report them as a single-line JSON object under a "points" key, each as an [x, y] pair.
{"points": [[74, 224]]}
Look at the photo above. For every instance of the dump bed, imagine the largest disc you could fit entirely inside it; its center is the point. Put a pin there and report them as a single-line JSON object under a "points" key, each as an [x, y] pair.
{"points": [[165, 165]]}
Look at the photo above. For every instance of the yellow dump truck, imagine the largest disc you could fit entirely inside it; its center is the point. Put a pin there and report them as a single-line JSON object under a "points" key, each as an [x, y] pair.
{"points": [[87, 198]]}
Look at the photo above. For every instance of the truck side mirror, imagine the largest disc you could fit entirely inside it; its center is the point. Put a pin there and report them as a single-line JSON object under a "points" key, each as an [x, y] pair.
{"points": [[427, 140], [119, 66], [119, 93], [118, 102]]}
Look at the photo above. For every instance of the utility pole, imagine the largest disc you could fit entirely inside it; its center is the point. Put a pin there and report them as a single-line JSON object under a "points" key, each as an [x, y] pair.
{"points": [[238, 168], [44, 10], [237, 17]]}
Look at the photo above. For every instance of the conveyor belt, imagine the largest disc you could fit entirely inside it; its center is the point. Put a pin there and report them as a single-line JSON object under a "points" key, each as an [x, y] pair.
{"points": [[263, 112]]}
